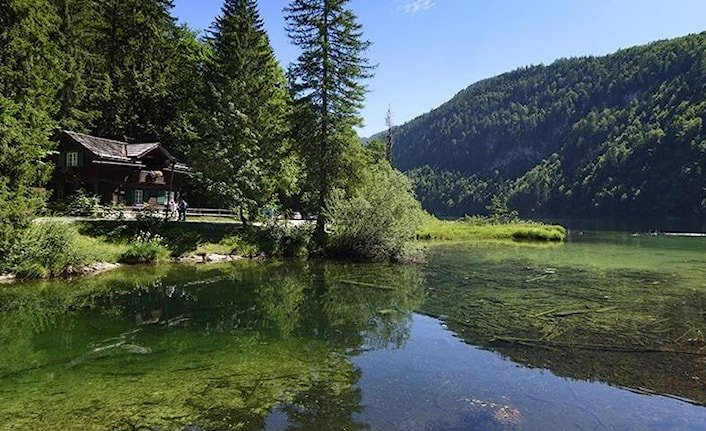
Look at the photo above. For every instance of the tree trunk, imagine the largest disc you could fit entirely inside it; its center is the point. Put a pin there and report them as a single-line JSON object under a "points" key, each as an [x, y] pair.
{"points": [[320, 232]]}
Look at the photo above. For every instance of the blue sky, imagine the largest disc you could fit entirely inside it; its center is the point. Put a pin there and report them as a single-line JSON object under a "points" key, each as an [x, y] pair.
{"points": [[428, 50]]}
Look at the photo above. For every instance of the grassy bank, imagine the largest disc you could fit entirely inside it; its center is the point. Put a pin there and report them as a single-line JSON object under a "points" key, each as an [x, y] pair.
{"points": [[65, 248], [476, 228]]}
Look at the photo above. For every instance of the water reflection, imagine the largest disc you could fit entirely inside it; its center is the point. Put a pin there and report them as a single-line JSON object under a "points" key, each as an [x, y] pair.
{"points": [[323, 346], [200, 347], [439, 383], [637, 321]]}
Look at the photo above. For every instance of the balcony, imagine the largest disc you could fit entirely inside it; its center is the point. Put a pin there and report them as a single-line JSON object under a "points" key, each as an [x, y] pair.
{"points": [[152, 177]]}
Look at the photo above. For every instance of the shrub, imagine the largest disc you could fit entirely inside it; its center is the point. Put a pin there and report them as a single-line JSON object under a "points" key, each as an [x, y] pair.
{"points": [[236, 245], [500, 213], [145, 248], [113, 212], [379, 221], [46, 250], [277, 240], [18, 205], [82, 204], [150, 218]]}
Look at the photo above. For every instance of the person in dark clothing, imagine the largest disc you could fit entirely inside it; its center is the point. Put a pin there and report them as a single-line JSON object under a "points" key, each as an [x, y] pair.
{"points": [[181, 209]]}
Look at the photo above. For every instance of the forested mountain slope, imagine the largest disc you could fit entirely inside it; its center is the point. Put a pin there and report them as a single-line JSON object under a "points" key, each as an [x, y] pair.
{"points": [[615, 135]]}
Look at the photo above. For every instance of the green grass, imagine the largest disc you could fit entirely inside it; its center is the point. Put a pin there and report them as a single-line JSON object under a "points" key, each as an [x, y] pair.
{"points": [[51, 249], [228, 245], [482, 229], [99, 249]]}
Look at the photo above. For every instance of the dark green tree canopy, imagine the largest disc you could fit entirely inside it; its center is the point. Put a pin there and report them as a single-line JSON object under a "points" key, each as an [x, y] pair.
{"points": [[243, 151], [30, 75]]}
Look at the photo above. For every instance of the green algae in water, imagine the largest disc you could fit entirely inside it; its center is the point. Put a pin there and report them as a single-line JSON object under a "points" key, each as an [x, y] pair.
{"points": [[629, 311], [330, 346], [217, 346]]}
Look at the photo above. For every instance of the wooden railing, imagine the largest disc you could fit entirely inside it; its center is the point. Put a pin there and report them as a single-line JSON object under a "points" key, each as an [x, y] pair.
{"points": [[197, 212], [213, 212]]}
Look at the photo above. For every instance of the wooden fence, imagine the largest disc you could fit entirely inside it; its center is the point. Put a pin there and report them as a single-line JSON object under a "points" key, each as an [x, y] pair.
{"points": [[197, 212]]}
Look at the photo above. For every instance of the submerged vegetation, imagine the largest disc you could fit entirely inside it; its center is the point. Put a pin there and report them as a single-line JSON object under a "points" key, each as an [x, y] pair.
{"points": [[587, 311], [218, 346], [229, 346]]}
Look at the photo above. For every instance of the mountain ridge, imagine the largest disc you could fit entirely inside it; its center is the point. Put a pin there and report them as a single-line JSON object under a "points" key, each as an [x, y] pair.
{"points": [[603, 135]]}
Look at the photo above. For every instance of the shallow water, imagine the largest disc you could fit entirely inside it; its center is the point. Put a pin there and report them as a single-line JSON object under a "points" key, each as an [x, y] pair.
{"points": [[611, 327]]}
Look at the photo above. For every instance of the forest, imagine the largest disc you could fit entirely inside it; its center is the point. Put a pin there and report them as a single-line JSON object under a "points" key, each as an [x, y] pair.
{"points": [[618, 135], [260, 139]]}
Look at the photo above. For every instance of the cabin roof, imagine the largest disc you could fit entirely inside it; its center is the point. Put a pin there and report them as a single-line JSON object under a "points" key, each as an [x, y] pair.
{"points": [[138, 150], [101, 147], [118, 151]]}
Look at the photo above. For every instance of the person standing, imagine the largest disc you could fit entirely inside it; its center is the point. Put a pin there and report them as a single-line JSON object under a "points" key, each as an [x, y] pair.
{"points": [[182, 209], [172, 208]]}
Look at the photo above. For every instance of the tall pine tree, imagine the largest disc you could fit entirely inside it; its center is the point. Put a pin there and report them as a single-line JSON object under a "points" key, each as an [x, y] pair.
{"points": [[81, 62], [327, 83], [30, 74], [136, 53], [243, 152]]}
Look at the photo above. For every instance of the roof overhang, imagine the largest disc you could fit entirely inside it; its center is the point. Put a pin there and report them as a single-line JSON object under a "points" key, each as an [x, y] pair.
{"points": [[119, 163]]}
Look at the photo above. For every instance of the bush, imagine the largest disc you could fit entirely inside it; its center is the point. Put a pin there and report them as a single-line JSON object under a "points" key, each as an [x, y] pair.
{"points": [[145, 248], [46, 250], [379, 221], [500, 213], [82, 204], [112, 212], [150, 218], [278, 240]]}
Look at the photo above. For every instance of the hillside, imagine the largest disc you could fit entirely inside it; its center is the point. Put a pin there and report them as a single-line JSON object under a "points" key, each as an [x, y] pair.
{"points": [[621, 134]]}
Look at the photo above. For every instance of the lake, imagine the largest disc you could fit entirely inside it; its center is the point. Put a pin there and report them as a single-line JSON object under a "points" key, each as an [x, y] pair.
{"points": [[605, 331]]}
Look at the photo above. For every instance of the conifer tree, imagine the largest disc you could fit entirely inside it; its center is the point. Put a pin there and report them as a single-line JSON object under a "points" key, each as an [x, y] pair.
{"points": [[29, 78], [78, 32], [133, 47], [243, 152], [327, 83]]}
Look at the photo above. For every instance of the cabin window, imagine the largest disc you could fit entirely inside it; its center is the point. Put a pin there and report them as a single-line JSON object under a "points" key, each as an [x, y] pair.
{"points": [[72, 160], [139, 197]]}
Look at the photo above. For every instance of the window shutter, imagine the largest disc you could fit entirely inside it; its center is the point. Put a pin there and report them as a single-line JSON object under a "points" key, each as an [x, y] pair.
{"points": [[80, 159], [62, 160]]}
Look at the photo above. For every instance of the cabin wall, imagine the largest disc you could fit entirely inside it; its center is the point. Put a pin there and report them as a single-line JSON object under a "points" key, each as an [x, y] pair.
{"points": [[114, 184]]}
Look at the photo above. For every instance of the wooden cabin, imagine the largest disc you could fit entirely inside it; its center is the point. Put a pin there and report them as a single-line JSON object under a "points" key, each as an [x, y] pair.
{"points": [[117, 172]]}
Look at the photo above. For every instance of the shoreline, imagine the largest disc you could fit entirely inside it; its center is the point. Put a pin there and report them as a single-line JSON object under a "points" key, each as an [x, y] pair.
{"points": [[98, 268]]}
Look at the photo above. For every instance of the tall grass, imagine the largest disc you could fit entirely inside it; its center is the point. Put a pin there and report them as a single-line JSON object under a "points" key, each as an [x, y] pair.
{"points": [[482, 229], [53, 249], [46, 250], [145, 248]]}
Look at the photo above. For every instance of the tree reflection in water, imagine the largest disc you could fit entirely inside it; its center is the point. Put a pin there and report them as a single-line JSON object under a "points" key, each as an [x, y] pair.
{"points": [[201, 347]]}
